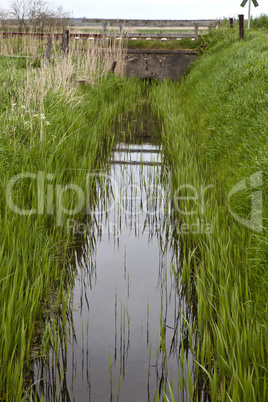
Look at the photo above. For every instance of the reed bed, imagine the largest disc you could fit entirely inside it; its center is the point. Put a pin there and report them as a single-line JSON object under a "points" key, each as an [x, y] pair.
{"points": [[54, 128], [215, 134]]}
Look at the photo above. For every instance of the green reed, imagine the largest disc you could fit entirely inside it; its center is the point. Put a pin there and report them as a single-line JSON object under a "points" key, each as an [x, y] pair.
{"points": [[76, 125], [215, 133]]}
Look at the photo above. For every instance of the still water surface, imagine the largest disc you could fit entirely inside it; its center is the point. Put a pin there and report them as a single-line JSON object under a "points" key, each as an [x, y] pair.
{"points": [[127, 307]]}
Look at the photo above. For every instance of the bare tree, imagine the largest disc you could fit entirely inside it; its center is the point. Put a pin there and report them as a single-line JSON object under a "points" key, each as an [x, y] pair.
{"points": [[3, 18], [38, 15]]}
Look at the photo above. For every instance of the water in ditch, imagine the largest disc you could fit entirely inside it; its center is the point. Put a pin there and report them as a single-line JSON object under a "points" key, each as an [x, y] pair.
{"points": [[131, 327]]}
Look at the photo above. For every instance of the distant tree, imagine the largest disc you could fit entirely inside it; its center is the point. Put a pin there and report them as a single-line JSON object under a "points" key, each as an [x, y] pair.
{"points": [[3, 18], [38, 15]]}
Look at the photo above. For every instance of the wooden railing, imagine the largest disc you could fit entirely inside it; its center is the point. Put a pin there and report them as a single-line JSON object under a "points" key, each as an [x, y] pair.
{"points": [[123, 33], [196, 24]]}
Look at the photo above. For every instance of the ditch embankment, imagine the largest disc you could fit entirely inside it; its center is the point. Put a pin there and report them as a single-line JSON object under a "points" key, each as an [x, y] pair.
{"points": [[215, 134]]}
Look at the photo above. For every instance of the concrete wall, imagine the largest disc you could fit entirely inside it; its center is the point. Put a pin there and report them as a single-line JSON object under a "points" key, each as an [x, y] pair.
{"points": [[157, 64]]}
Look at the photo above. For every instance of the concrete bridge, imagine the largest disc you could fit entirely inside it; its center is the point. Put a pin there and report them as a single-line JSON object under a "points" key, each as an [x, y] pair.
{"points": [[143, 63], [157, 64], [151, 63]]}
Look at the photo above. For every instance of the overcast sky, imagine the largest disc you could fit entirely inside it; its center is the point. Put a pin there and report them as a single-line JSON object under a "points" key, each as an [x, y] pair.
{"points": [[156, 9]]}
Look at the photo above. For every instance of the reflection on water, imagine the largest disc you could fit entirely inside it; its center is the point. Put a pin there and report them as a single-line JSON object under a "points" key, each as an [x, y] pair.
{"points": [[128, 318]]}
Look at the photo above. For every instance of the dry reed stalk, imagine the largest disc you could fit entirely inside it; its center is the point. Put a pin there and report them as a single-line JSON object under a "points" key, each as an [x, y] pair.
{"points": [[59, 79], [20, 46]]}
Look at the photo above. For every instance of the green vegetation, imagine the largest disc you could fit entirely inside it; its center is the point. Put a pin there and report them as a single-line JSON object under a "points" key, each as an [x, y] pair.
{"points": [[171, 44], [215, 133], [260, 22], [49, 124]]}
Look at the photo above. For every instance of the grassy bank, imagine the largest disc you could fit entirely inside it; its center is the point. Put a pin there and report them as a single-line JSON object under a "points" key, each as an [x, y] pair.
{"points": [[54, 131], [215, 134]]}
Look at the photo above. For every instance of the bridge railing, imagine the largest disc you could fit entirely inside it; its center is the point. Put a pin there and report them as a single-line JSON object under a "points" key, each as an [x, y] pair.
{"points": [[121, 23]]}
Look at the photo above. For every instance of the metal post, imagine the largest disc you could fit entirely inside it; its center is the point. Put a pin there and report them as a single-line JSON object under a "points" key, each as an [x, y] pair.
{"points": [[65, 41], [104, 27], [231, 22], [241, 26], [196, 33], [249, 7]]}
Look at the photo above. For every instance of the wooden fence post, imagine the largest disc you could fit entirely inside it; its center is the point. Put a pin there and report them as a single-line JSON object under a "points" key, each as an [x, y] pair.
{"points": [[48, 49], [241, 26], [65, 45], [67, 40], [104, 28], [196, 33], [231, 22]]}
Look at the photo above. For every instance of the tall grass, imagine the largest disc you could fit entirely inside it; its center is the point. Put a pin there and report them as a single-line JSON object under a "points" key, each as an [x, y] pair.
{"points": [[215, 133], [260, 22], [88, 53], [53, 125]]}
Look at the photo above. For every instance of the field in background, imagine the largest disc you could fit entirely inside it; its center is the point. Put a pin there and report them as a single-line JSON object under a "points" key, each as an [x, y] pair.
{"points": [[98, 29]]}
